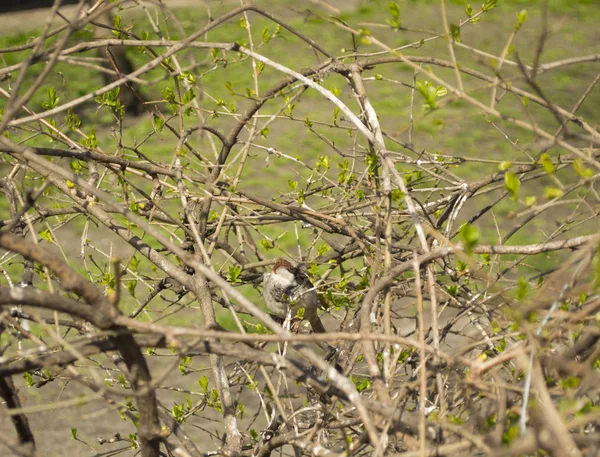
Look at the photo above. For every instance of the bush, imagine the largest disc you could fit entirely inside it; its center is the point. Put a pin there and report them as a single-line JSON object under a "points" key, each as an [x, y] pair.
{"points": [[434, 176]]}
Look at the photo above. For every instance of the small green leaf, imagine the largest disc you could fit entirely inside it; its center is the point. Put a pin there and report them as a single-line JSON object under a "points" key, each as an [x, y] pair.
{"points": [[553, 192], [323, 163], [74, 433], [581, 169], [159, 122], [188, 96], [571, 382], [470, 236], [91, 142], [504, 165], [234, 273], [131, 287], [28, 378], [547, 163], [469, 10], [488, 5], [455, 32], [203, 383], [530, 200], [394, 10], [265, 35], [512, 184], [76, 166], [72, 120], [52, 99], [521, 19], [267, 244], [322, 250], [46, 236], [522, 288]]}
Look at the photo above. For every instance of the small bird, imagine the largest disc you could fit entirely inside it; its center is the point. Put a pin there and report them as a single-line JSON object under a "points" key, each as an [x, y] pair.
{"points": [[288, 284]]}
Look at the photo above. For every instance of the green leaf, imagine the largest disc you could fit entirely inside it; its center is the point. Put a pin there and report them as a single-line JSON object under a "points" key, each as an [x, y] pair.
{"points": [[455, 32], [488, 5], [362, 384], [470, 237], [28, 378], [131, 287], [74, 433], [521, 19], [52, 99], [187, 77], [234, 273], [469, 10], [547, 163], [430, 93], [265, 35], [512, 184], [530, 200], [268, 245], [72, 120], [322, 250], [394, 10], [203, 383], [323, 163], [397, 196], [522, 288], [159, 123], [293, 184], [46, 236], [571, 382], [504, 165], [581, 169], [76, 166], [188, 96], [553, 192]]}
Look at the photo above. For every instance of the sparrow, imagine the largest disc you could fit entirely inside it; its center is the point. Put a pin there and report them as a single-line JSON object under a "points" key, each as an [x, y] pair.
{"points": [[289, 285]]}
